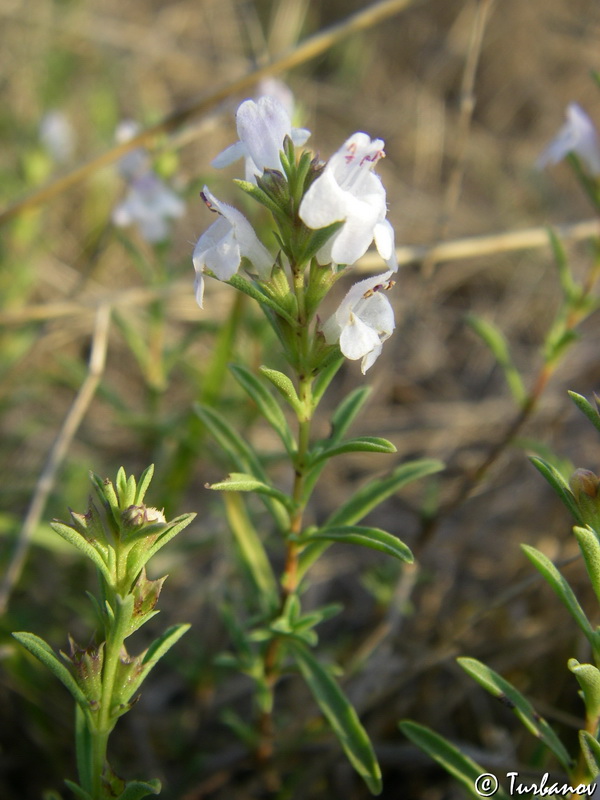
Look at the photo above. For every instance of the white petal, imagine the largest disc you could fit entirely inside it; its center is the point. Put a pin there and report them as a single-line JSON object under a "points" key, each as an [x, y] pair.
{"points": [[331, 330], [353, 239], [199, 289], [357, 292], [376, 311], [370, 358], [357, 339], [385, 243], [323, 203], [262, 127], [300, 136], [228, 156]]}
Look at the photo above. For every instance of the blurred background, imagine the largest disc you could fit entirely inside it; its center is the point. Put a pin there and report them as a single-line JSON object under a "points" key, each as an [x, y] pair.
{"points": [[466, 96]]}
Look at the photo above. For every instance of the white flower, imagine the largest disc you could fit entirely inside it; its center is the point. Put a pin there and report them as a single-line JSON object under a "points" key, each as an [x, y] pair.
{"points": [[149, 204], [262, 127], [363, 321], [57, 136], [578, 135], [221, 248], [348, 190]]}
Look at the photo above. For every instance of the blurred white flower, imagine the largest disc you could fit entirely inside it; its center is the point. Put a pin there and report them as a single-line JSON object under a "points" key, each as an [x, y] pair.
{"points": [[57, 136], [363, 321], [135, 163], [349, 191], [150, 203], [579, 136], [221, 248], [262, 126]]}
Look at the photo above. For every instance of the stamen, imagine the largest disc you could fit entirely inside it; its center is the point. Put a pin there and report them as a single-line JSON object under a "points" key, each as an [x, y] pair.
{"points": [[208, 204]]}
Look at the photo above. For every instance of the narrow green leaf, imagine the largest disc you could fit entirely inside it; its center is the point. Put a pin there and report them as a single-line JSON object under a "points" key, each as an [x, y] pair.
{"points": [[347, 411], [590, 747], [175, 527], [242, 482], [466, 771], [362, 444], [284, 386], [374, 538], [80, 793], [570, 289], [588, 678], [259, 195], [588, 409], [44, 653], [590, 549], [152, 656], [136, 790], [82, 544], [341, 420], [506, 692], [238, 450], [496, 342], [366, 499], [143, 484], [562, 589], [83, 748], [324, 378], [315, 242], [252, 290], [340, 714], [242, 455], [371, 495], [560, 486], [266, 404], [252, 552]]}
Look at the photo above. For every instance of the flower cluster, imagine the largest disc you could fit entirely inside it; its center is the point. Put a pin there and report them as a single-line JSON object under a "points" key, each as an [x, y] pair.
{"points": [[327, 216]]}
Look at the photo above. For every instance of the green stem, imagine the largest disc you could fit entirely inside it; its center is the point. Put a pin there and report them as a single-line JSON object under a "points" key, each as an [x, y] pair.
{"points": [[289, 579]]}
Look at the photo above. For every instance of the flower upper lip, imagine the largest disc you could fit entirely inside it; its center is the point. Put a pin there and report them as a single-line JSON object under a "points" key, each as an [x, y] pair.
{"points": [[262, 126]]}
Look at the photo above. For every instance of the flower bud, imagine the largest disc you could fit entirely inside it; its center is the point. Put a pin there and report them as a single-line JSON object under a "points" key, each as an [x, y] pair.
{"points": [[584, 481], [584, 485], [139, 516]]}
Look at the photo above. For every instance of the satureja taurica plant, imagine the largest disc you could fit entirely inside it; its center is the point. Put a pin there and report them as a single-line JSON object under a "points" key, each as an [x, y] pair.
{"points": [[325, 216]]}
